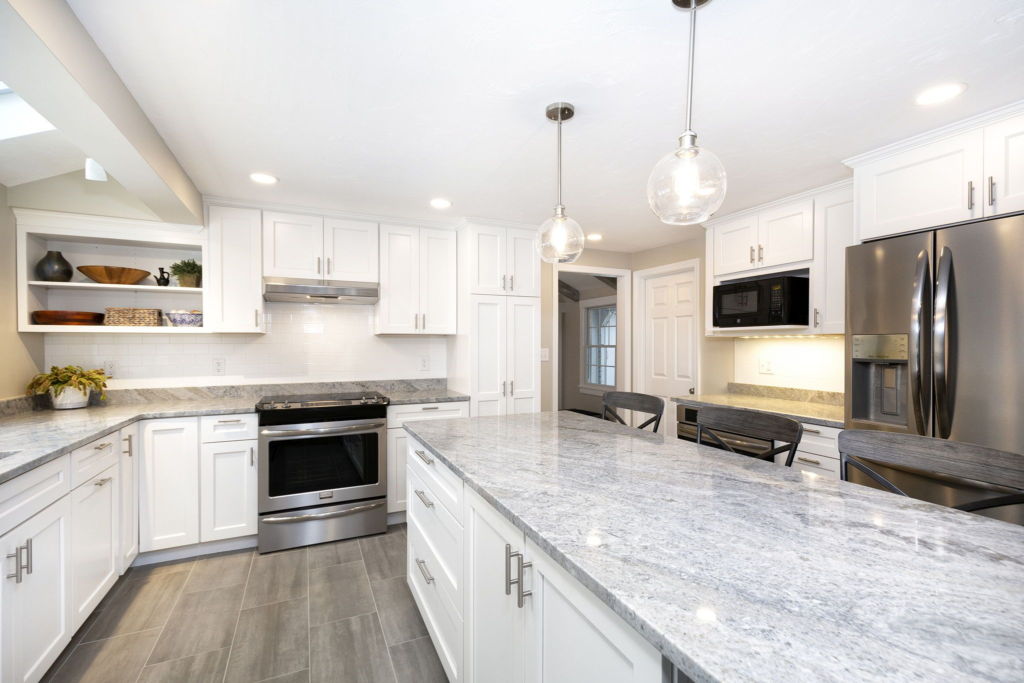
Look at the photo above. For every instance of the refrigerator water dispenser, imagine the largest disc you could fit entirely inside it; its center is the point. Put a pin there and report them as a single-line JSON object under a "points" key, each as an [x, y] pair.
{"points": [[880, 378]]}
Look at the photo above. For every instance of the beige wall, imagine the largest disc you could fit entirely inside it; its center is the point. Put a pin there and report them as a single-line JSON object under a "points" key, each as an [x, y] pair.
{"points": [[22, 353], [71, 192]]}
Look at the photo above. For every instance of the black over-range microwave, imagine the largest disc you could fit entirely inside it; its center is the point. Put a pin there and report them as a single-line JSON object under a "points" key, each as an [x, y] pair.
{"points": [[780, 300]]}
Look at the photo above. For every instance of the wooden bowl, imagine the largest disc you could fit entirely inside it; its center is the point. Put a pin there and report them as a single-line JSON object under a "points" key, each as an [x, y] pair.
{"points": [[114, 275], [67, 318]]}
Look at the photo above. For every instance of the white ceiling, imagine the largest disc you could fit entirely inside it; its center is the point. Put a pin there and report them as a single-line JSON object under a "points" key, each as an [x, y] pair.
{"points": [[39, 155], [376, 107]]}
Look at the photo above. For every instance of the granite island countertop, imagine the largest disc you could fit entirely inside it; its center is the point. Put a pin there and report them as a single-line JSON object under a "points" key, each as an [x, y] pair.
{"points": [[804, 411], [741, 570]]}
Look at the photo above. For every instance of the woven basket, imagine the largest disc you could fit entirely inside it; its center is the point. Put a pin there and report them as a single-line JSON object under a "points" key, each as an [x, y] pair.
{"points": [[134, 317]]}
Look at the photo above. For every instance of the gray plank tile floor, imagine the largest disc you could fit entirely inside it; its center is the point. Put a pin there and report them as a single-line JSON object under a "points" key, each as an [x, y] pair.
{"points": [[336, 612]]}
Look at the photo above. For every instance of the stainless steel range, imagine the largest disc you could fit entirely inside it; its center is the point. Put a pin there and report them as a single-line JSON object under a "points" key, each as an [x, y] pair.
{"points": [[322, 468]]}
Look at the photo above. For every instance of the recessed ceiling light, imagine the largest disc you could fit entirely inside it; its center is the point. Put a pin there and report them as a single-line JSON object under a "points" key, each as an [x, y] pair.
{"points": [[594, 237], [440, 203], [939, 93], [263, 178]]}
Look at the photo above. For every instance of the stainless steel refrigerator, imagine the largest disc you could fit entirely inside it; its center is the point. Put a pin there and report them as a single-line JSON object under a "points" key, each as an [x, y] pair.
{"points": [[935, 338]]}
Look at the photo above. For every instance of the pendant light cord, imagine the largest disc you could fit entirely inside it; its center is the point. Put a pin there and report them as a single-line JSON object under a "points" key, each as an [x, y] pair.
{"points": [[559, 156], [689, 75]]}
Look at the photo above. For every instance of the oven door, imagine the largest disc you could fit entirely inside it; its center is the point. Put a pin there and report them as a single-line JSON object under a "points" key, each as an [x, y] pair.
{"points": [[740, 305], [321, 463]]}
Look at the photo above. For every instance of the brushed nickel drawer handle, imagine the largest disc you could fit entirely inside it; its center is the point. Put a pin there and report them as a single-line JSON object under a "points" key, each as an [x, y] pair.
{"points": [[103, 481], [423, 457], [224, 422], [320, 515], [426, 501], [430, 408], [811, 431], [810, 460], [101, 446], [423, 570]]}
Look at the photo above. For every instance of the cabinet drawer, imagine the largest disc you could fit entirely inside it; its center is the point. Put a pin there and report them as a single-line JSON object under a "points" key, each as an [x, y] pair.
{"points": [[214, 428], [820, 441], [442, 619], [818, 464], [25, 495], [93, 458], [442, 533], [416, 412], [445, 485]]}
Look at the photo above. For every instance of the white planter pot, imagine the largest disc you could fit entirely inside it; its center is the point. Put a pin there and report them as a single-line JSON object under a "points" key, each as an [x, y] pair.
{"points": [[70, 398]]}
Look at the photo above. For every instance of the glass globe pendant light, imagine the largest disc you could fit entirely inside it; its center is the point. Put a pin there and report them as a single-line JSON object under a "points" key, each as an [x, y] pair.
{"points": [[559, 239], [688, 184]]}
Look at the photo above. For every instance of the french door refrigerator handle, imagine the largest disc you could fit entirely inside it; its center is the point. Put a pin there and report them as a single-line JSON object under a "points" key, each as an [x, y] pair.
{"points": [[917, 349], [943, 339]]}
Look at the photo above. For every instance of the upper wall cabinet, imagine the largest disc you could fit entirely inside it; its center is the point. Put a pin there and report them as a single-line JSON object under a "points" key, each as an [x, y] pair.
{"points": [[833, 225], [500, 260], [417, 281], [775, 237], [1004, 166], [234, 279], [351, 250], [293, 246], [735, 245]]}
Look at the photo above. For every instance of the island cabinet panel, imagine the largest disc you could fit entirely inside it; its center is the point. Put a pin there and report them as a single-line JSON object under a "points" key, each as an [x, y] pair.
{"points": [[442, 619], [96, 541], [129, 474], [169, 483]]}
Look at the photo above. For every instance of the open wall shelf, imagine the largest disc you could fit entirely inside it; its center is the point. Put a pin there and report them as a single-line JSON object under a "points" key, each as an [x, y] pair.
{"points": [[98, 287], [116, 329]]}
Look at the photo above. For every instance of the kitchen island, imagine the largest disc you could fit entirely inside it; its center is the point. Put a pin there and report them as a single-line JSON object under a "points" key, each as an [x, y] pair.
{"points": [[740, 570]]}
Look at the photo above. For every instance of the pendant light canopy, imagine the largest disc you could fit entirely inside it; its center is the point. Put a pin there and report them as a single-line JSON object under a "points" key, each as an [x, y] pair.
{"points": [[559, 239], [688, 184]]}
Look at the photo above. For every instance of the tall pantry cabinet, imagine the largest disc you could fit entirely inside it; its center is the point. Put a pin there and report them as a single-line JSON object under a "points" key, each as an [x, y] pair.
{"points": [[495, 355]]}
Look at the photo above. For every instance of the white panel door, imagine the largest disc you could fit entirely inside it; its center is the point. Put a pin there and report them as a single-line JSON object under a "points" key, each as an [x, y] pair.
{"points": [[227, 490], [487, 360], [670, 338], [293, 246], [233, 280], [351, 250], [523, 369], [488, 260], [735, 246], [786, 234], [834, 227], [398, 450], [437, 281], [1004, 167], [96, 541], [922, 188], [169, 483], [129, 518], [35, 614], [494, 625], [523, 263], [573, 637], [398, 311]]}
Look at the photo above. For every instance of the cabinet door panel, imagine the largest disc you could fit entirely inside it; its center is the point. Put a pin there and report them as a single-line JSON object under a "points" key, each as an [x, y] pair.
{"points": [[35, 618], [129, 519], [834, 225], [228, 490], [487, 355], [786, 234], [523, 354], [351, 251], [488, 260], [399, 307], [523, 263], [169, 484], [1004, 167], [398, 449], [735, 245], [437, 281], [233, 300], [293, 246], [96, 541]]}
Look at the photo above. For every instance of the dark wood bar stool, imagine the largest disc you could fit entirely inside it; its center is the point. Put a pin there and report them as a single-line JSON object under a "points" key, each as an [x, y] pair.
{"points": [[749, 423], [627, 400], [862, 448]]}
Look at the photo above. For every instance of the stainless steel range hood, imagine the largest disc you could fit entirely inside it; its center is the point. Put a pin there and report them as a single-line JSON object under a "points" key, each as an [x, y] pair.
{"points": [[320, 291]]}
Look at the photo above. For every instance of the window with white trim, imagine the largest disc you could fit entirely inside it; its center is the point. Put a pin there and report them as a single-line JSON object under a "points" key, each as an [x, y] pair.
{"points": [[598, 346]]}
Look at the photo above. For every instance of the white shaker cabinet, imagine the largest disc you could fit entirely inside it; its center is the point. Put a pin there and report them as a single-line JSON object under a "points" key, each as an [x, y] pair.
{"points": [[228, 490], [834, 227], [1004, 167], [417, 281], [437, 281], [129, 506], [500, 260], [35, 606], [169, 483], [351, 249], [95, 541], [488, 339], [293, 246], [735, 246], [522, 263], [522, 358], [785, 234], [234, 277]]}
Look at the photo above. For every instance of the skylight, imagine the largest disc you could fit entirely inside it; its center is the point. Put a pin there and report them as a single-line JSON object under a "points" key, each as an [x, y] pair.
{"points": [[17, 118]]}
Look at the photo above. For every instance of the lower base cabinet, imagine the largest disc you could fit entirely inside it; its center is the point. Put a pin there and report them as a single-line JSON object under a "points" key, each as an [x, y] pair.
{"points": [[398, 449], [95, 541], [169, 483], [129, 471], [35, 600], [228, 490]]}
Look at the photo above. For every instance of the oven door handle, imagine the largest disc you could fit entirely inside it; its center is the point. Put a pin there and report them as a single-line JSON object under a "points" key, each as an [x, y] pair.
{"points": [[321, 515], [323, 431]]}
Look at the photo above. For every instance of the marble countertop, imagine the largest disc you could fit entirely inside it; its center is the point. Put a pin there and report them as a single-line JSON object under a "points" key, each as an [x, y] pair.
{"points": [[804, 411], [37, 437], [741, 570]]}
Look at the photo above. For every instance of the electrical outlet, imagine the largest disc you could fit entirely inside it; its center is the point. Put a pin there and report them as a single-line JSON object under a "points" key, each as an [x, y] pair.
{"points": [[218, 366], [425, 363], [766, 366], [110, 368], [545, 355]]}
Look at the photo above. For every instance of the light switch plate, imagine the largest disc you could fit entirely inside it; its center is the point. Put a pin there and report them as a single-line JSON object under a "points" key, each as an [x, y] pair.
{"points": [[545, 354]]}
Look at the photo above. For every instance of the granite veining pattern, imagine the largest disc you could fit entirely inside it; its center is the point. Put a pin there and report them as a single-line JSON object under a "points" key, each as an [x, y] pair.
{"points": [[832, 398], [741, 570], [804, 411]]}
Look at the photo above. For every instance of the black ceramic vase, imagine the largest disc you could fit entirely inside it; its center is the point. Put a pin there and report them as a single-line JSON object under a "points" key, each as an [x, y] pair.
{"points": [[53, 268], [163, 279]]}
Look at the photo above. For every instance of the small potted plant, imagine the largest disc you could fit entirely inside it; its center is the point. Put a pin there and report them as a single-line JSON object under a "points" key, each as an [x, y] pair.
{"points": [[188, 272], [69, 387]]}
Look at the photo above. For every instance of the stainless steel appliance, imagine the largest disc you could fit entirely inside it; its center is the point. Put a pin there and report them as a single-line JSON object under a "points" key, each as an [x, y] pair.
{"points": [[322, 468], [686, 420], [760, 302], [935, 342], [320, 291]]}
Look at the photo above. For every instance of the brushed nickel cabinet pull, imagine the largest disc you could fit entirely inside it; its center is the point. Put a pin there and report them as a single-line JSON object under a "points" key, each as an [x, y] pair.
{"points": [[751, 253], [423, 457], [503, 282], [426, 501], [815, 317], [512, 388], [808, 430], [991, 191], [252, 456], [317, 265], [257, 317], [28, 556], [423, 570], [429, 408], [224, 422], [18, 566], [760, 253], [328, 265], [970, 195], [103, 481], [512, 283], [129, 440], [424, 321], [101, 446], [810, 460]]}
